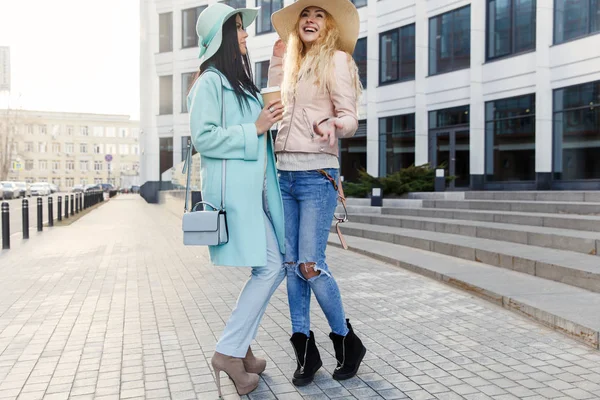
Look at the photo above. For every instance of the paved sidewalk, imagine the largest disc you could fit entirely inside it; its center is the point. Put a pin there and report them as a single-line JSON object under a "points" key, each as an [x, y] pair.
{"points": [[114, 306]]}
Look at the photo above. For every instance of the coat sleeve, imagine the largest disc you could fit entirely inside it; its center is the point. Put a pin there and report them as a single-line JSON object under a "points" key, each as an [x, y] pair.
{"points": [[343, 95], [208, 135], [275, 71]]}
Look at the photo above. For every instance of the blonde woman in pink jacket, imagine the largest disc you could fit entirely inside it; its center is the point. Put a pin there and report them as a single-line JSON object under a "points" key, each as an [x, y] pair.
{"points": [[312, 63]]}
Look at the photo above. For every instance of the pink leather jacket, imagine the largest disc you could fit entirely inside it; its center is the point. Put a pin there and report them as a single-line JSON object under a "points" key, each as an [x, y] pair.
{"points": [[310, 104]]}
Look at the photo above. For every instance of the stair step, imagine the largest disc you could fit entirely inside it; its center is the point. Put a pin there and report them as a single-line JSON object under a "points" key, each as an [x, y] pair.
{"points": [[567, 221], [569, 309], [554, 238], [550, 207], [568, 267], [562, 196]]}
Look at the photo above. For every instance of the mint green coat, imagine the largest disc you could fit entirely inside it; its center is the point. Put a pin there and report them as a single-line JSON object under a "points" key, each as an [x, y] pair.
{"points": [[246, 154]]}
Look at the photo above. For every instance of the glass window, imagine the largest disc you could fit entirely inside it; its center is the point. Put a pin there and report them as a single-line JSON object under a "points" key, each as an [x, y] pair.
{"points": [[511, 27], [262, 74], [397, 54], [450, 41], [83, 148], [575, 18], [360, 3], [388, 56], [165, 92], [84, 131], [396, 143], [235, 3], [510, 139], [267, 7], [186, 83], [165, 154], [189, 37], [360, 57], [165, 32], [449, 117], [577, 132]]}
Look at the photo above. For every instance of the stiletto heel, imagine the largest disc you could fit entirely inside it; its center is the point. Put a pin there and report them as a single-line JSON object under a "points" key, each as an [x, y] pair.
{"points": [[218, 381]]}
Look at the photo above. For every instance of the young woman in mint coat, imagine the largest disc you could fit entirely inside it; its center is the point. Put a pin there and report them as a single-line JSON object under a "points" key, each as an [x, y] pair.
{"points": [[252, 197]]}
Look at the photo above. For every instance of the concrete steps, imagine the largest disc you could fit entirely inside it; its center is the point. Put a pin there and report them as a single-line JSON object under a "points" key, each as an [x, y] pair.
{"points": [[565, 221], [548, 207], [568, 267], [569, 309], [554, 238], [563, 196]]}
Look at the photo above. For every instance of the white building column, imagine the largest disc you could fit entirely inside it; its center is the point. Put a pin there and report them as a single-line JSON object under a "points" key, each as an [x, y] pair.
{"points": [[421, 60], [371, 90], [477, 106], [543, 95], [149, 157]]}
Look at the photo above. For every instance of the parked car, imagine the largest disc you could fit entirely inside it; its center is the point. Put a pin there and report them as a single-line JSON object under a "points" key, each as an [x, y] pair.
{"points": [[107, 187], [77, 189], [135, 189], [23, 189], [40, 189], [1, 193], [53, 188], [10, 190], [92, 188]]}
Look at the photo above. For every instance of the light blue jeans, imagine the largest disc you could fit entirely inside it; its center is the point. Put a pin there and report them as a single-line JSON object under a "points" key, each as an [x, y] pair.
{"points": [[243, 323], [309, 201]]}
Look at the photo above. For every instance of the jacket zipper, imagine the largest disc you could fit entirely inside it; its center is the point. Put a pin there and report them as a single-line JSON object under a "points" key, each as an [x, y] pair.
{"points": [[291, 121]]}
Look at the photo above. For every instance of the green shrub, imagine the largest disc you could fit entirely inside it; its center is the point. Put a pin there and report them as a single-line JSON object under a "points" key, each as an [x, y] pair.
{"points": [[412, 179]]}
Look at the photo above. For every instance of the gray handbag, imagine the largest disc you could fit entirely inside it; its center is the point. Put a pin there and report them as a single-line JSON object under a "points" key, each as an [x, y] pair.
{"points": [[205, 227]]}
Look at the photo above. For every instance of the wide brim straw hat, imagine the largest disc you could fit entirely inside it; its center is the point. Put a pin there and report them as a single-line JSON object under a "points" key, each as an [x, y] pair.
{"points": [[343, 12], [209, 26]]}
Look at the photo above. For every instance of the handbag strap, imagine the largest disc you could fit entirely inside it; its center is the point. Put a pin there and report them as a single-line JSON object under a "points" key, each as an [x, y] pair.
{"points": [[187, 166]]}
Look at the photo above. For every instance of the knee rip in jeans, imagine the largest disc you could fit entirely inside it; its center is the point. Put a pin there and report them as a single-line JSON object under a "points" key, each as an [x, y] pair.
{"points": [[310, 271]]}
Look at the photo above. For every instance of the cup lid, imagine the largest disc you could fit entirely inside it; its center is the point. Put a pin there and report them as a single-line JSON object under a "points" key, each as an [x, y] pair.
{"points": [[271, 89]]}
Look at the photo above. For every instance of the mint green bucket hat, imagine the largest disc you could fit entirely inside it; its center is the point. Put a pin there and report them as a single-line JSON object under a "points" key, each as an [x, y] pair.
{"points": [[209, 26]]}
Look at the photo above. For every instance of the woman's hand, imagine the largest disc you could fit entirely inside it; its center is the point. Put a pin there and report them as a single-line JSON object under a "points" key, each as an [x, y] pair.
{"points": [[327, 128], [279, 48], [269, 116]]}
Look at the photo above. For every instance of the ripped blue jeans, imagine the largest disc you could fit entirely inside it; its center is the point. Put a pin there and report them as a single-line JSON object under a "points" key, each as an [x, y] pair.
{"points": [[309, 201]]}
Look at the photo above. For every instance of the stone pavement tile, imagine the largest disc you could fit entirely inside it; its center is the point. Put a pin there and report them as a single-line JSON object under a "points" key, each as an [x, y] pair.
{"points": [[578, 394], [419, 395], [31, 396]]}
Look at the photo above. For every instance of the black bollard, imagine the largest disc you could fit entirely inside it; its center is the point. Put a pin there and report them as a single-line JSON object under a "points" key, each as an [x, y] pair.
{"points": [[66, 206], [77, 204], [40, 215], [5, 226], [25, 219], [59, 209], [72, 206], [50, 212]]}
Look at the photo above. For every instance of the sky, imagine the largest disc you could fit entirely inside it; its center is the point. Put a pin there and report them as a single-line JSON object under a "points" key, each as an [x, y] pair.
{"points": [[73, 55]]}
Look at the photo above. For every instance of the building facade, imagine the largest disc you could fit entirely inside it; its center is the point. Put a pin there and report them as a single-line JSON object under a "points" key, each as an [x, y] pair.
{"points": [[501, 94], [70, 149]]}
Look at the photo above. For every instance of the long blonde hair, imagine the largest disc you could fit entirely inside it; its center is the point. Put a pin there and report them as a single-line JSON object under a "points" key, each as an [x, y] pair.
{"points": [[316, 63]]}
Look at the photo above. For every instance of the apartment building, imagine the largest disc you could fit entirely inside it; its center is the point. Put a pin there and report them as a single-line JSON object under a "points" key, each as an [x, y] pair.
{"points": [[501, 94], [70, 149]]}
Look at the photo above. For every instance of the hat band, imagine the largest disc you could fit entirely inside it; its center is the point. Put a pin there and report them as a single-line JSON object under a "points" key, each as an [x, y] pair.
{"points": [[211, 35]]}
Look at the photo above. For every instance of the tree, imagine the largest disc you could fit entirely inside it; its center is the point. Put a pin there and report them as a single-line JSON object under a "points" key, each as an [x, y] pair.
{"points": [[8, 127]]}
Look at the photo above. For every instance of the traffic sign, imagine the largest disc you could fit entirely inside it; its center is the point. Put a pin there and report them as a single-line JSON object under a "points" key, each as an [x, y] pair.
{"points": [[108, 157]]}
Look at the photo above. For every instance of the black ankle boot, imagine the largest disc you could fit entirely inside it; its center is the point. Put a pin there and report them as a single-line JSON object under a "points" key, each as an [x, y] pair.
{"points": [[307, 357], [349, 352]]}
